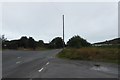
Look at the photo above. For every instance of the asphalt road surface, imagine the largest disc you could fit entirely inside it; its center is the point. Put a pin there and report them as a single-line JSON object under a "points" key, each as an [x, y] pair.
{"points": [[44, 64]]}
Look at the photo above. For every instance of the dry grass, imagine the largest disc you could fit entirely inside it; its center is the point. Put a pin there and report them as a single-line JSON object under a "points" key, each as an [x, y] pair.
{"points": [[91, 53]]}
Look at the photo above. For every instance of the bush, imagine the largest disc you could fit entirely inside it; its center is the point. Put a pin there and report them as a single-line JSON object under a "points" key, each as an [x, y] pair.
{"points": [[77, 42], [56, 43]]}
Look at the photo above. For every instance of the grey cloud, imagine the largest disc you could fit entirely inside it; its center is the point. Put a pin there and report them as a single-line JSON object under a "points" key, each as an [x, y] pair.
{"points": [[93, 21]]}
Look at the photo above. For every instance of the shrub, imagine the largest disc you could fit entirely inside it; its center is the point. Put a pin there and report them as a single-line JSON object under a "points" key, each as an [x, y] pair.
{"points": [[77, 42]]}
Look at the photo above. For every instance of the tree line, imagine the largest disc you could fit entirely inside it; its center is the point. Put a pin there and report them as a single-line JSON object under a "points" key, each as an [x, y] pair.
{"points": [[30, 43]]}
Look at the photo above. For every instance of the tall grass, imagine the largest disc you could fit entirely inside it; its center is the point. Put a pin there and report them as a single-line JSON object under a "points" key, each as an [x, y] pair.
{"points": [[91, 53]]}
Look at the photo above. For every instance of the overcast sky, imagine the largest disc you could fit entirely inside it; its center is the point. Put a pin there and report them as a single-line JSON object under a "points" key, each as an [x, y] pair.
{"points": [[43, 21]]}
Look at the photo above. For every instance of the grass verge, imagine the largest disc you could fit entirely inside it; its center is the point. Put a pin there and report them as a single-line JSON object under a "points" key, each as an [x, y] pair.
{"points": [[91, 53]]}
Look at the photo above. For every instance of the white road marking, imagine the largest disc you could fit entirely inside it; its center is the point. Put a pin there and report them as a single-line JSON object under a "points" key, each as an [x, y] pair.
{"points": [[18, 62], [18, 57], [43, 68], [51, 57], [100, 68], [47, 63], [40, 70]]}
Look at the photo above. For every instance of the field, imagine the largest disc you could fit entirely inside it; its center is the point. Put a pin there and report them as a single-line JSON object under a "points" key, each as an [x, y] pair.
{"points": [[91, 53]]}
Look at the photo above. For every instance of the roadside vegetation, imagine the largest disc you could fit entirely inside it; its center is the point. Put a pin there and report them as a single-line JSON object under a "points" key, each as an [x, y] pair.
{"points": [[76, 48], [28, 43], [79, 49], [91, 53]]}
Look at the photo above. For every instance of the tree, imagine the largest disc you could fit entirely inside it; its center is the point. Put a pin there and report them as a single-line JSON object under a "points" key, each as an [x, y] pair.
{"points": [[3, 41], [3, 38], [0, 42], [13, 44], [77, 42], [23, 42], [40, 43], [31, 43], [56, 43]]}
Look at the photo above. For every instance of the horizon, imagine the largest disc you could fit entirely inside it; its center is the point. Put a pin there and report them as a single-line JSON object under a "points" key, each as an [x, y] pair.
{"points": [[61, 37]]}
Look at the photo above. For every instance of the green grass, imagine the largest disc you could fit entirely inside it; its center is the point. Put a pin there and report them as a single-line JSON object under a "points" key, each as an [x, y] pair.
{"points": [[91, 53]]}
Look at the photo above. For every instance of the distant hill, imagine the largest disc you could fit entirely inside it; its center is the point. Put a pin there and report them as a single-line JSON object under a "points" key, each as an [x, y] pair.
{"points": [[113, 41]]}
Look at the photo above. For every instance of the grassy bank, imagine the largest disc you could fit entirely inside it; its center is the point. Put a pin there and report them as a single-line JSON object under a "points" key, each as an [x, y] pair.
{"points": [[91, 53]]}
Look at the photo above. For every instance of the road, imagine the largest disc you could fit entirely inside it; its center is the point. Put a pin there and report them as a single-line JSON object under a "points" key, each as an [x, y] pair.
{"points": [[44, 64]]}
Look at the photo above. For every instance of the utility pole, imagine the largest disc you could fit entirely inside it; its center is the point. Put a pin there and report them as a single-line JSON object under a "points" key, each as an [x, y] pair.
{"points": [[63, 32]]}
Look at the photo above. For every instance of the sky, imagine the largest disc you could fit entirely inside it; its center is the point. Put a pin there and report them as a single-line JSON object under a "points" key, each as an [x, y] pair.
{"points": [[93, 21]]}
